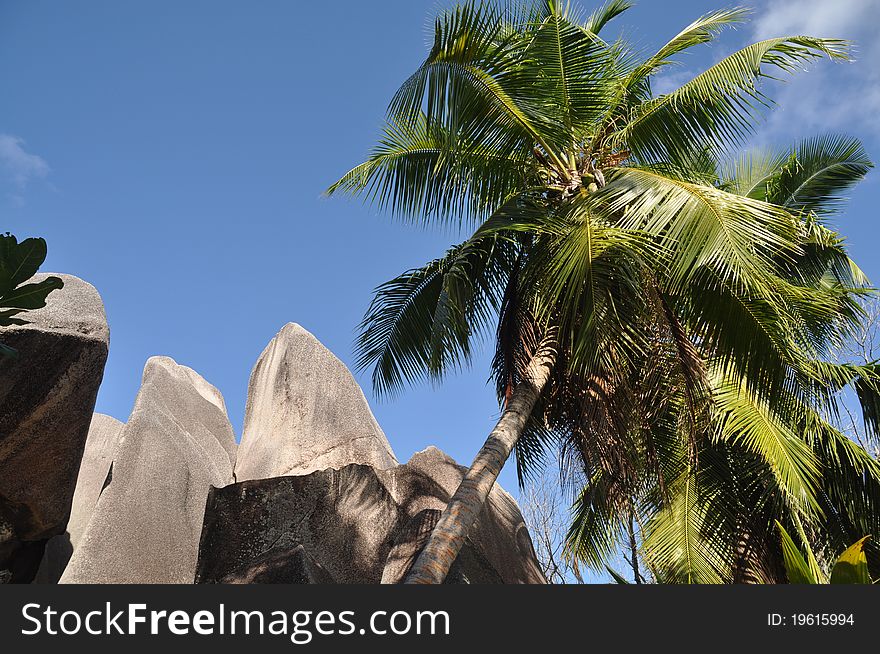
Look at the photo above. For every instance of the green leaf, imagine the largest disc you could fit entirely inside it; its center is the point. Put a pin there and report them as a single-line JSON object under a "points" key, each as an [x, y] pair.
{"points": [[701, 31], [19, 261], [31, 296], [605, 14], [752, 424], [852, 566], [816, 174], [795, 564], [421, 323]]}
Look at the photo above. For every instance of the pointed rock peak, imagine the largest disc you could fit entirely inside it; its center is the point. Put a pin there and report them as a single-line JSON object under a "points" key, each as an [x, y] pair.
{"points": [[431, 453], [295, 330], [186, 375], [164, 375], [306, 412], [438, 465]]}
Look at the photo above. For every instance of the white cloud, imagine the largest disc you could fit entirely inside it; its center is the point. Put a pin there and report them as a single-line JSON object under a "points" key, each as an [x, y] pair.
{"points": [[670, 79], [827, 18], [839, 97], [19, 167]]}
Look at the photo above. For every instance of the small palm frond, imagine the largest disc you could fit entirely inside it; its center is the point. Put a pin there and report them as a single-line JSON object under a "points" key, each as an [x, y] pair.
{"points": [[605, 14], [679, 541], [421, 323], [817, 173], [597, 523], [703, 30], [419, 172]]}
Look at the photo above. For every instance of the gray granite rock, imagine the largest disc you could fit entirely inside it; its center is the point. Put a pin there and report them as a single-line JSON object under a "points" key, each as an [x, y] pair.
{"points": [[47, 396], [360, 524], [94, 473], [305, 412], [146, 523]]}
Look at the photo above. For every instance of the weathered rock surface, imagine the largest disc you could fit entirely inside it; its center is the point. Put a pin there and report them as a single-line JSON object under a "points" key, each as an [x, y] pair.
{"points": [[305, 412], [105, 435], [280, 565], [358, 524], [47, 396], [94, 474], [146, 523]]}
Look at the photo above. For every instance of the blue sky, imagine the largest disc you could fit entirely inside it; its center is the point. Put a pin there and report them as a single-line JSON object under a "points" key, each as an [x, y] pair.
{"points": [[174, 155]]}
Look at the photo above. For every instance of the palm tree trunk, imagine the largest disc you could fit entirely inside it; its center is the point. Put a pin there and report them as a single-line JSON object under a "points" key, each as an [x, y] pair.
{"points": [[633, 548], [445, 542]]}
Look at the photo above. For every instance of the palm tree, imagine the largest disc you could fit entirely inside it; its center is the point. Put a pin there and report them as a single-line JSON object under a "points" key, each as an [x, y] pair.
{"points": [[595, 233], [714, 521]]}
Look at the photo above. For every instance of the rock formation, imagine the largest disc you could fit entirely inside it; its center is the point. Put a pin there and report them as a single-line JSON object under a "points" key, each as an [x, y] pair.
{"points": [[320, 497], [357, 524], [47, 396], [305, 412], [146, 524]]}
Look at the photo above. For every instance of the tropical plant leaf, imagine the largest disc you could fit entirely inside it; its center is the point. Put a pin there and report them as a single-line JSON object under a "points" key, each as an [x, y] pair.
{"points": [[420, 324], [750, 423], [796, 566], [605, 14], [817, 172], [852, 566], [19, 261], [700, 226], [701, 31]]}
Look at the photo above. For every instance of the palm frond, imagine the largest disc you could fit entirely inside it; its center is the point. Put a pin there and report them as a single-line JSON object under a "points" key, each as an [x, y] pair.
{"points": [[568, 68], [748, 422], [421, 323], [818, 171], [703, 30], [469, 82], [700, 226], [720, 106], [605, 14], [422, 172], [678, 542]]}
